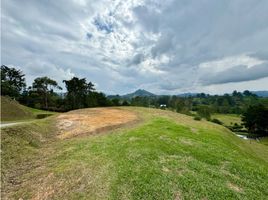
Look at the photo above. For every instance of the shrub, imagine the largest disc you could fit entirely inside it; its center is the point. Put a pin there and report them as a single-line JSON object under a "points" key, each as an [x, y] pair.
{"points": [[197, 118], [216, 121]]}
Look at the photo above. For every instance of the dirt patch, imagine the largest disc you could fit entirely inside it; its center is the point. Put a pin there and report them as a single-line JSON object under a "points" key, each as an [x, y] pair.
{"points": [[92, 121], [194, 130], [177, 196], [234, 187], [186, 141], [165, 169]]}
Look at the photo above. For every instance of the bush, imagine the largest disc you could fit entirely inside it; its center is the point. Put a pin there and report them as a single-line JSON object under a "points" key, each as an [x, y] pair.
{"points": [[125, 103], [236, 128], [216, 121], [41, 116], [197, 118]]}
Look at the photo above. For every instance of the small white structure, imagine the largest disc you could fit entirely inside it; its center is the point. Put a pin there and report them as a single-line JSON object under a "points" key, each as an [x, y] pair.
{"points": [[163, 106]]}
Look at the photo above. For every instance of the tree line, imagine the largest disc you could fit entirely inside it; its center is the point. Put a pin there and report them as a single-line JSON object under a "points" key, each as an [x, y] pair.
{"points": [[45, 93]]}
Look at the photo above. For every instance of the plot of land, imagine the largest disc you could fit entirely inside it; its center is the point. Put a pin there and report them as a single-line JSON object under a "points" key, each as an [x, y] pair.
{"points": [[90, 121]]}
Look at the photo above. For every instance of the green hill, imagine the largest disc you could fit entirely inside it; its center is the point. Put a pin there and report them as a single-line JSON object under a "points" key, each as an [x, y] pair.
{"points": [[11, 110], [163, 156]]}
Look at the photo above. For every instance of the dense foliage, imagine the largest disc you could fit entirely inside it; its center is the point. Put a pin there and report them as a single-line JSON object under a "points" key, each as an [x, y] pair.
{"points": [[12, 81], [203, 104], [255, 119], [45, 93]]}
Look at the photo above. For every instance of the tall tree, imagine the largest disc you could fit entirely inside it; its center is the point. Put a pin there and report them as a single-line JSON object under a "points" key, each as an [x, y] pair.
{"points": [[44, 86], [77, 92], [12, 81], [255, 119]]}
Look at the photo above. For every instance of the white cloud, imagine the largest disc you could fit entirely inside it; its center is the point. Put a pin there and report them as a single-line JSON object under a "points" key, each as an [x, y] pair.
{"points": [[229, 62], [164, 46]]}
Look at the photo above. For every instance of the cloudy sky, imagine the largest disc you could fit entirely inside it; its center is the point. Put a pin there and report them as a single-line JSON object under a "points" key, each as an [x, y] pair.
{"points": [[166, 47]]}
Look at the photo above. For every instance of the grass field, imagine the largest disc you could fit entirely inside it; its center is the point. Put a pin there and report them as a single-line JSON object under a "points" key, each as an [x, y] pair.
{"points": [[164, 156], [11, 110], [264, 141], [228, 119]]}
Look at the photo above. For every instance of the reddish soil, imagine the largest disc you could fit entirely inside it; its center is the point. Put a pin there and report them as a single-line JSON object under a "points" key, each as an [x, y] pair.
{"points": [[92, 120]]}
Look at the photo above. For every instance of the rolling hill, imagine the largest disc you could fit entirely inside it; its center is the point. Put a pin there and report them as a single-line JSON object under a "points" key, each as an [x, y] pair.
{"points": [[159, 155], [11, 110]]}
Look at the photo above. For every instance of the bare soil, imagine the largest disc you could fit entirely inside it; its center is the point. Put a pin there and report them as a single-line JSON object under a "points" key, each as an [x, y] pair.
{"points": [[92, 121]]}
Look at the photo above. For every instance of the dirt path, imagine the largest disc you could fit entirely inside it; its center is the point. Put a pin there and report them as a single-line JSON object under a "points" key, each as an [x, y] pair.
{"points": [[10, 124], [93, 120]]}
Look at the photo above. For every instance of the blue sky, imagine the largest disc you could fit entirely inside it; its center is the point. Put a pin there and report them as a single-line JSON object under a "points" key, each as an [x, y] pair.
{"points": [[166, 47]]}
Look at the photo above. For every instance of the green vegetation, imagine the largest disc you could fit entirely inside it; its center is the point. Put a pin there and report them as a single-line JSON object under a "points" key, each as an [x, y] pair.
{"points": [[20, 143], [82, 94], [41, 94], [204, 112], [255, 119], [167, 156], [12, 81], [217, 121], [264, 140], [228, 119], [11, 110]]}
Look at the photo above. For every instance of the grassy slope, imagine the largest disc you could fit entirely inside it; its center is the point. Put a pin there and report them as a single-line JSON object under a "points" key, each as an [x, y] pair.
{"points": [[11, 110], [169, 156], [264, 141], [21, 146]]}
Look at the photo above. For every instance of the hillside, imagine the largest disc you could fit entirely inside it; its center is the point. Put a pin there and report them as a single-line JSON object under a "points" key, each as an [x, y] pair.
{"points": [[130, 153], [261, 93], [11, 110]]}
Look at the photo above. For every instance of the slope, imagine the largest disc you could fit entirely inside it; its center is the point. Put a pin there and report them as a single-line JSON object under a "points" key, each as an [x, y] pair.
{"points": [[11, 110], [166, 156]]}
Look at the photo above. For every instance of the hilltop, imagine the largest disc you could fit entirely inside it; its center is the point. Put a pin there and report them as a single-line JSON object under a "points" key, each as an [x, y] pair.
{"points": [[140, 93]]}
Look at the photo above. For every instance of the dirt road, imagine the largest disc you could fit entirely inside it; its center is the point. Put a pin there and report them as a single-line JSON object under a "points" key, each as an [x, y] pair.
{"points": [[93, 120]]}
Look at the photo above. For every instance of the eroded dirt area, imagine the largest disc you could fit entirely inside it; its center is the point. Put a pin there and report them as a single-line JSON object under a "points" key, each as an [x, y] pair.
{"points": [[92, 120]]}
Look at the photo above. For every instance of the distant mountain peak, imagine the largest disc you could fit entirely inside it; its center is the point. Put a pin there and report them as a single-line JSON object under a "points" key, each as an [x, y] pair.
{"points": [[139, 92]]}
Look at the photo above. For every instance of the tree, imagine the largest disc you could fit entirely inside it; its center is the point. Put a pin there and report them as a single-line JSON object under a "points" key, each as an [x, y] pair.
{"points": [[125, 103], [12, 81], [248, 93], [44, 86], [204, 111], [255, 119], [115, 102], [77, 92]]}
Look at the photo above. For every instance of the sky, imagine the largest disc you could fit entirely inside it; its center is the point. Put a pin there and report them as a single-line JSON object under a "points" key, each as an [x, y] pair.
{"points": [[165, 47]]}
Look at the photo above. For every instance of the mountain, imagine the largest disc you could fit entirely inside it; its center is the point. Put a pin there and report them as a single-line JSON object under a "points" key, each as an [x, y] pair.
{"points": [[261, 93], [140, 92], [145, 93]]}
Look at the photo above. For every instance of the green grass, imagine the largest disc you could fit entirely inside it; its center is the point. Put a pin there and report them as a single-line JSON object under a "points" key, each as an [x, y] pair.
{"points": [[228, 119], [168, 156], [11, 110], [264, 141]]}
